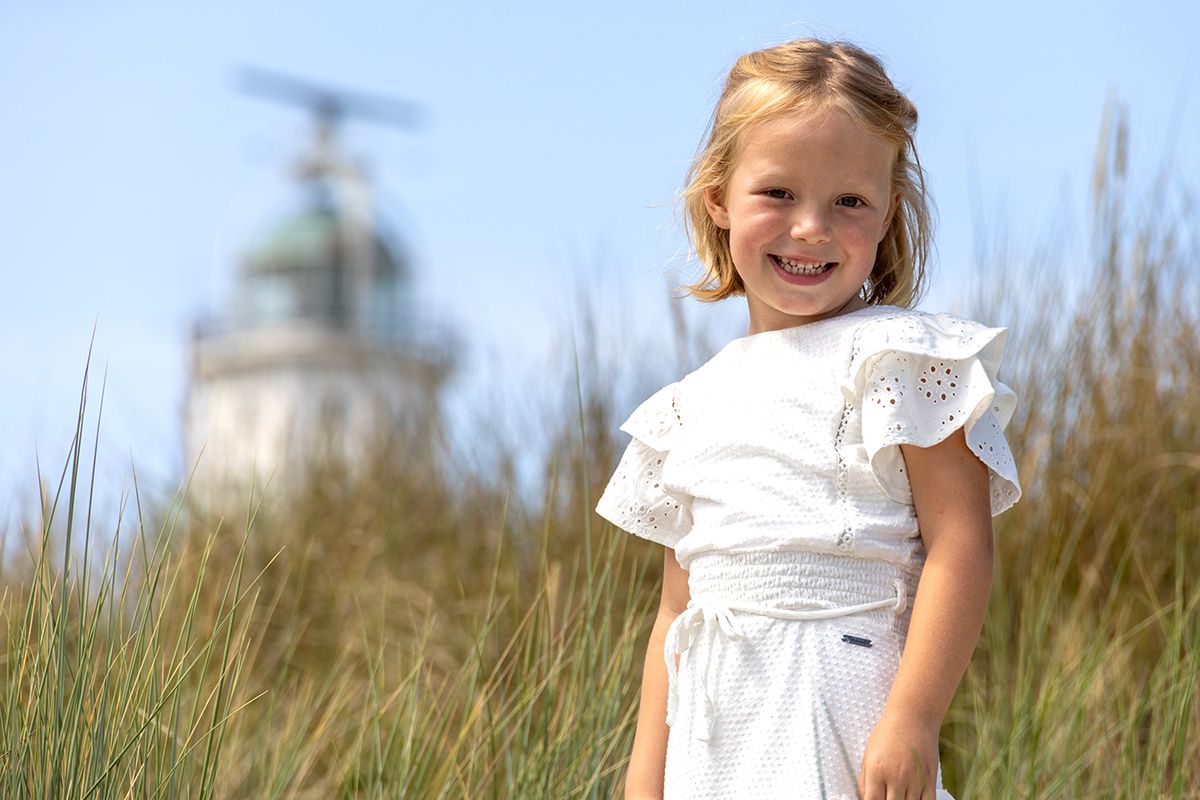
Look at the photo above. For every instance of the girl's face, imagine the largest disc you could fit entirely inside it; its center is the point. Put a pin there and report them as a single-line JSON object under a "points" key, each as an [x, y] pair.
{"points": [[806, 189]]}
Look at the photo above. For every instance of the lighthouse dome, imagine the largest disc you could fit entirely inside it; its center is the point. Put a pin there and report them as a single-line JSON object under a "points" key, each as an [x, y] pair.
{"points": [[320, 262]]}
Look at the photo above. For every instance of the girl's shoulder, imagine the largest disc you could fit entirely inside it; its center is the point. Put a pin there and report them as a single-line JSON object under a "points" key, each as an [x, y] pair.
{"points": [[936, 334], [918, 323], [655, 421]]}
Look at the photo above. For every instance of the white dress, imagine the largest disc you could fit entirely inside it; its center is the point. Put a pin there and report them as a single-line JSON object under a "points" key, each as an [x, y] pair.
{"points": [[775, 473]]}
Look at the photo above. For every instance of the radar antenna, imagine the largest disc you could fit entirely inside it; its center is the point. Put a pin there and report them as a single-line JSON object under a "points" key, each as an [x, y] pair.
{"points": [[334, 177]]}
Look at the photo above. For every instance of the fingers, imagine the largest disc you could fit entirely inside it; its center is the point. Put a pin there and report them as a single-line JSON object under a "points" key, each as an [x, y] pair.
{"points": [[928, 785], [875, 787], [872, 788], [914, 778], [925, 788]]}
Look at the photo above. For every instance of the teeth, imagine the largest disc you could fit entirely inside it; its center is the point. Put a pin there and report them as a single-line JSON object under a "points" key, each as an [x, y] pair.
{"points": [[800, 267]]}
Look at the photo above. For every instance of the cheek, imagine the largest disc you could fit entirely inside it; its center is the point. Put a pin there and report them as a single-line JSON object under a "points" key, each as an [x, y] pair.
{"points": [[757, 225], [866, 233]]}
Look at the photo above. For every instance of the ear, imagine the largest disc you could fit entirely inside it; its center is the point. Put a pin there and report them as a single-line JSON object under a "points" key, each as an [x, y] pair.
{"points": [[715, 204]]}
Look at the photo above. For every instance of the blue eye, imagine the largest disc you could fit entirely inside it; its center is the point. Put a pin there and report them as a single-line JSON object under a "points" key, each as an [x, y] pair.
{"points": [[858, 200], [778, 194]]}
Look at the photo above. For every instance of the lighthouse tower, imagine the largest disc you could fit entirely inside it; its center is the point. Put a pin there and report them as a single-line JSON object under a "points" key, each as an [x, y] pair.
{"points": [[321, 351]]}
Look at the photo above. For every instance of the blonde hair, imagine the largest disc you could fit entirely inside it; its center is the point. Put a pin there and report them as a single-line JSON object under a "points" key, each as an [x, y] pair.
{"points": [[812, 74]]}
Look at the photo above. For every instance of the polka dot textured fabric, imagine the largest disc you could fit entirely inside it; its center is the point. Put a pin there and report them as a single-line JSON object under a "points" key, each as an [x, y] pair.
{"points": [[635, 498], [775, 473], [795, 700], [790, 439], [919, 380]]}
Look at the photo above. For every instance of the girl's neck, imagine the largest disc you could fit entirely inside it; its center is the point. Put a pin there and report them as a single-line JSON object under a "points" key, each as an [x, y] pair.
{"points": [[855, 303]]}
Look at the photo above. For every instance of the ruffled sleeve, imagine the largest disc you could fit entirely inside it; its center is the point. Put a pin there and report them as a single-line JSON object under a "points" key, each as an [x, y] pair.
{"points": [[919, 378], [636, 499]]}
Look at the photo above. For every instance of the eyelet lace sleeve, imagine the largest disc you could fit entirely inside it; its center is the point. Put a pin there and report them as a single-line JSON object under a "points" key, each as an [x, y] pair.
{"points": [[636, 500], [919, 378]]}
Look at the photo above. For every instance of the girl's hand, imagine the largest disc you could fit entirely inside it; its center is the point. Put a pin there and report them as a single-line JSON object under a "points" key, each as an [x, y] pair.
{"points": [[901, 759]]}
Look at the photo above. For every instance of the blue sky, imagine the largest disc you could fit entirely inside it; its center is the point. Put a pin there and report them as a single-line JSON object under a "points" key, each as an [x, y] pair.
{"points": [[557, 136]]}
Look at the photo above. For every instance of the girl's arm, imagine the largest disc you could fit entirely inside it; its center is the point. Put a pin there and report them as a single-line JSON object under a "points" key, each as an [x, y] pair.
{"points": [[647, 762], [950, 496]]}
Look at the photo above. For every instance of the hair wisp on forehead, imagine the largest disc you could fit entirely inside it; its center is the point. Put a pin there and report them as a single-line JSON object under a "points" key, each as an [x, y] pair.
{"points": [[811, 74]]}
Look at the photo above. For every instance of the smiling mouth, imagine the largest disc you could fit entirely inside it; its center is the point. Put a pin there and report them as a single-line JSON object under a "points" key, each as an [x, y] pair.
{"points": [[803, 267]]}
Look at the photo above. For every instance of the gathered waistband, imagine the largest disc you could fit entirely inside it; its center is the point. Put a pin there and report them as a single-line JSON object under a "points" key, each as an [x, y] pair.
{"points": [[801, 578], [786, 584]]}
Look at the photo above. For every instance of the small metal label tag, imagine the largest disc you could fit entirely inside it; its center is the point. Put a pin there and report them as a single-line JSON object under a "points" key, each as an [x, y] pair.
{"points": [[858, 640]]}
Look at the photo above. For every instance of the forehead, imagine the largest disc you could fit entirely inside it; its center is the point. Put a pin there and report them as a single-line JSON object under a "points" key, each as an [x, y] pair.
{"points": [[823, 142]]}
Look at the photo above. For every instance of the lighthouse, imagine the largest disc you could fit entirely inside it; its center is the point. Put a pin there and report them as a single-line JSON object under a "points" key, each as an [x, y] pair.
{"points": [[321, 352]]}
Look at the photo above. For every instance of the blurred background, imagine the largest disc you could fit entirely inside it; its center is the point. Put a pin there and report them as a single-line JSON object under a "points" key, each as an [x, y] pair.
{"points": [[535, 175]]}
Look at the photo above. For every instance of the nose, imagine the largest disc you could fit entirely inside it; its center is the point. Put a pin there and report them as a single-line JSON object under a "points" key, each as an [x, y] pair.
{"points": [[810, 225]]}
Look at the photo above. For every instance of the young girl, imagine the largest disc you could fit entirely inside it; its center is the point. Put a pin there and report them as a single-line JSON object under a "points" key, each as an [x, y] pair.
{"points": [[824, 485]]}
